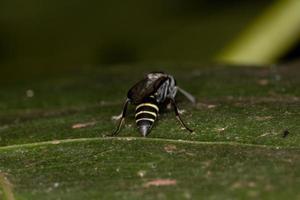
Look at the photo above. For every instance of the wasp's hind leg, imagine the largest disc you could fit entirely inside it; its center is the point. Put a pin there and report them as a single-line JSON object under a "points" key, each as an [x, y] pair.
{"points": [[178, 116], [122, 118]]}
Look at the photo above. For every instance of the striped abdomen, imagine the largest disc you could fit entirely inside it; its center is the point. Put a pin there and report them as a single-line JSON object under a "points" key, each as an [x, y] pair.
{"points": [[145, 115]]}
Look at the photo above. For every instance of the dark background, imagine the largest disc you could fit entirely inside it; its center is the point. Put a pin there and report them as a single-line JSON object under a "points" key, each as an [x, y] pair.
{"points": [[55, 34]]}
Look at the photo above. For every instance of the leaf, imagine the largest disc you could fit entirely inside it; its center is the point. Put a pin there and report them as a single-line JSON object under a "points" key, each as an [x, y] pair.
{"points": [[109, 167], [160, 182], [54, 145]]}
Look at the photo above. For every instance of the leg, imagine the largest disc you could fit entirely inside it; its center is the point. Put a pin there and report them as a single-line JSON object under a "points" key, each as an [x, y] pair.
{"points": [[178, 116], [190, 97], [122, 118]]}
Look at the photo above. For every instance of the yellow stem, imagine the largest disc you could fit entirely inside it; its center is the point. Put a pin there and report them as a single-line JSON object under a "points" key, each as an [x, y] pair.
{"points": [[268, 38]]}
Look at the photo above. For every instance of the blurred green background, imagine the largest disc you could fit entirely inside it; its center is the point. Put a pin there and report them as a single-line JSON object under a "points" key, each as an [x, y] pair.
{"points": [[77, 33], [56, 34]]}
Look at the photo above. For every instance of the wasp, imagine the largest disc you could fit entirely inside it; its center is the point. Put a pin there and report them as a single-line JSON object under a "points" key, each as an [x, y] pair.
{"points": [[150, 95]]}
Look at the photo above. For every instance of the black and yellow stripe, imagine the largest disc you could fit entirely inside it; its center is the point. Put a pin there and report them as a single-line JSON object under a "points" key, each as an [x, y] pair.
{"points": [[146, 112]]}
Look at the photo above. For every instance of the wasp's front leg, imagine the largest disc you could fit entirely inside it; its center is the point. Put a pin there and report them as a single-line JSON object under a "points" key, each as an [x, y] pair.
{"points": [[121, 117]]}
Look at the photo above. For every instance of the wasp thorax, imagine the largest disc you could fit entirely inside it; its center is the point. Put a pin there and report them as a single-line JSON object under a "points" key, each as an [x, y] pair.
{"points": [[145, 115]]}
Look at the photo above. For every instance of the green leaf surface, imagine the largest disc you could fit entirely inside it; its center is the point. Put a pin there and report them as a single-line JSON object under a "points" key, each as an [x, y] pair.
{"points": [[246, 142]]}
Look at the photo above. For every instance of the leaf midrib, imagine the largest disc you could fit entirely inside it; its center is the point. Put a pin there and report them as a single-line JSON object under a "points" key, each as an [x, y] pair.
{"points": [[78, 140]]}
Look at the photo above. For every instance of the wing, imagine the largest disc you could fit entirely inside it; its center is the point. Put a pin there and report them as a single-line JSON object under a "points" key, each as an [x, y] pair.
{"points": [[145, 88]]}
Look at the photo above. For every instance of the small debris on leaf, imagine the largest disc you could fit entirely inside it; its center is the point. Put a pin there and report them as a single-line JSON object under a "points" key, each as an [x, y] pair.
{"points": [[170, 148], [141, 173], [29, 93], [263, 118], [160, 182], [285, 133], [220, 130], [83, 125], [236, 185], [211, 106], [263, 82], [251, 184], [56, 184], [208, 106], [264, 134], [187, 195]]}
